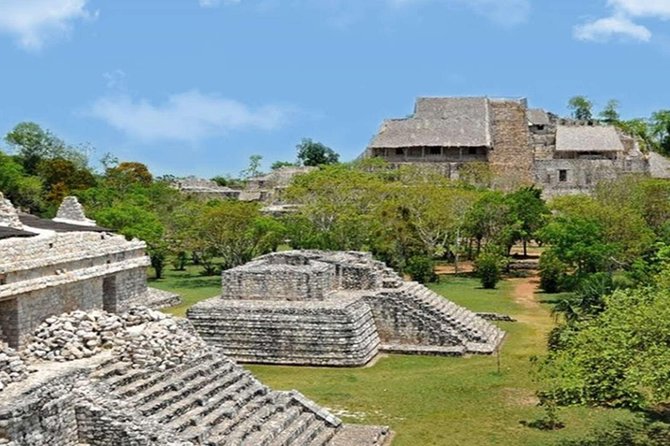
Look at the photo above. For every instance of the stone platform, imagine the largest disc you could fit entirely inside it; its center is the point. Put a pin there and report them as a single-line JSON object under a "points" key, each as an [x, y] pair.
{"points": [[331, 332], [203, 399], [334, 309]]}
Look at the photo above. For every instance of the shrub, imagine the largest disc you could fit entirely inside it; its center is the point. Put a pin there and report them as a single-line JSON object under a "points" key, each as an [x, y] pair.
{"points": [[421, 269], [552, 273], [489, 268], [629, 433]]}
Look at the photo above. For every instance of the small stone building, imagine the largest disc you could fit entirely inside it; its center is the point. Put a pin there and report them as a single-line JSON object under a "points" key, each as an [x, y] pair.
{"points": [[205, 188], [333, 308], [531, 146], [48, 267]]}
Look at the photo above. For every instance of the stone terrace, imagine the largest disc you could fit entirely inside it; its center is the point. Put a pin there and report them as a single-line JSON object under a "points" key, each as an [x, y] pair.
{"points": [[335, 309], [203, 398]]}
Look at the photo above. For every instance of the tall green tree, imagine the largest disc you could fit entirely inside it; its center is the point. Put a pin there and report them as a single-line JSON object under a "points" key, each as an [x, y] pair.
{"points": [[660, 130], [34, 144], [313, 153], [530, 212], [581, 108], [610, 114]]}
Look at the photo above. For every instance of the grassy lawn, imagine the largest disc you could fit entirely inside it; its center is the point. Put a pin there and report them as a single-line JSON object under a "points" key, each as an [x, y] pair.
{"points": [[433, 400], [190, 285], [449, 401]]}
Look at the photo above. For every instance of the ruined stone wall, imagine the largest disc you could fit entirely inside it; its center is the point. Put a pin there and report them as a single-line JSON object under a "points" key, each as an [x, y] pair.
{"points": [[130, 283], [34, 307], [44, 416], [278, 282], [543, 140], [511, 157], [22, 313], [581, 175], [27, 258]]}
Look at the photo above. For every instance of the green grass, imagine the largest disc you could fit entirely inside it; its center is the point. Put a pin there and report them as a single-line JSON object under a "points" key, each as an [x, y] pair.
{"points": [[434, 400], [191, 285]]}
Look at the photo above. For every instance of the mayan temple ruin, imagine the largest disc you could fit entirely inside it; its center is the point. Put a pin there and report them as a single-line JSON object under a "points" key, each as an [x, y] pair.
{"points": [[83, 361], [335, 309], [530, 146], [49, 267]]}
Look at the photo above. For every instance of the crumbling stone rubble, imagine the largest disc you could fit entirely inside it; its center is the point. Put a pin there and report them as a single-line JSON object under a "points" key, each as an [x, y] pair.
{"points": [[141, 337], [12, 367]]}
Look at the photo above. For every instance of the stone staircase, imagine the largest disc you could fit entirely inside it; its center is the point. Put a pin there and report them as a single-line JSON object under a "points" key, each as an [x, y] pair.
{"points": [[214, 402], [424, 316]]}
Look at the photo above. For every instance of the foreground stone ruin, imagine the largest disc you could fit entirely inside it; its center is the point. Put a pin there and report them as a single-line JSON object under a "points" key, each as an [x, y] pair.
{"points": [[154, 382], [333, 308], [50, 267]]}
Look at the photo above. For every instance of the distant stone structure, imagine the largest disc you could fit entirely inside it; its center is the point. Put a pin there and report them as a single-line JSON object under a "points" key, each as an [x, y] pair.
{"points": [[532, 146], [153, 383], [48, 267], [333, 308], [205, 188], [269, 188]]}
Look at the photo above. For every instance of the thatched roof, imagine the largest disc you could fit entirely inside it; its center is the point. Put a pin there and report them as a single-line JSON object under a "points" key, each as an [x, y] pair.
{"points": [[537, 116], [441, 122], [588, 139]]}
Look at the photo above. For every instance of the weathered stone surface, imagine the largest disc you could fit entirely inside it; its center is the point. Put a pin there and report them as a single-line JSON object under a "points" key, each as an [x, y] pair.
{"points": [[60, 272], [122, 397], [12, 367], [8, 215], [333, 308], [70, 211]]}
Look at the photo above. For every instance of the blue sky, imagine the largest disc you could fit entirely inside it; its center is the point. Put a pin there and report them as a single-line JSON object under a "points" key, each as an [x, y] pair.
{"points": [[197, 86]]}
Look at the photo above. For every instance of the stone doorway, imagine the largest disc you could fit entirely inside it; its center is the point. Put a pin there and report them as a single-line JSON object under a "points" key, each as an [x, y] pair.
{"points": [[109, 296]]}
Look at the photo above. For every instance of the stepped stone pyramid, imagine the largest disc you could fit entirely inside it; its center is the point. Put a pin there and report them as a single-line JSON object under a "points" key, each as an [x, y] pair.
{"points": [[335, 309], [204, 399]]}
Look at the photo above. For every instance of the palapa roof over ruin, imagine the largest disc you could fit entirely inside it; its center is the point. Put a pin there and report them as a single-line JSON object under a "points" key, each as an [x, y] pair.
{"points": [[439, 122], [537, 116], [588, 139]]}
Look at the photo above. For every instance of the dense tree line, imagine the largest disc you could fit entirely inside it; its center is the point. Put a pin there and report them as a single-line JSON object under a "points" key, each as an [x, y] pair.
{"points": [[608, 254]]}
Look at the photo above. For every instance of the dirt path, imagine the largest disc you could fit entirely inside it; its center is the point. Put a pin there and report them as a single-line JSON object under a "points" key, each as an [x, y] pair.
{"points": [[524, 291]]}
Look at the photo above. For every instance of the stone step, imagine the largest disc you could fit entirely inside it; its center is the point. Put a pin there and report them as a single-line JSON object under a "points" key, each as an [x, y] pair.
{"points": [[311, 433], [123, 378], [170, 390], [274, 426], [199, 398], [226, 416], [208, 413], [241, 433], [139, 380], [323, 438], [289, 435], [144, 391]]}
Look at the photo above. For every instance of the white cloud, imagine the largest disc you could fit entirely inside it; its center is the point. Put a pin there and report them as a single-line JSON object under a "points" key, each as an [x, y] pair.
{"points": [[603, 30], [32, 22], [643, 8], [188, 116], [620, 23]]}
